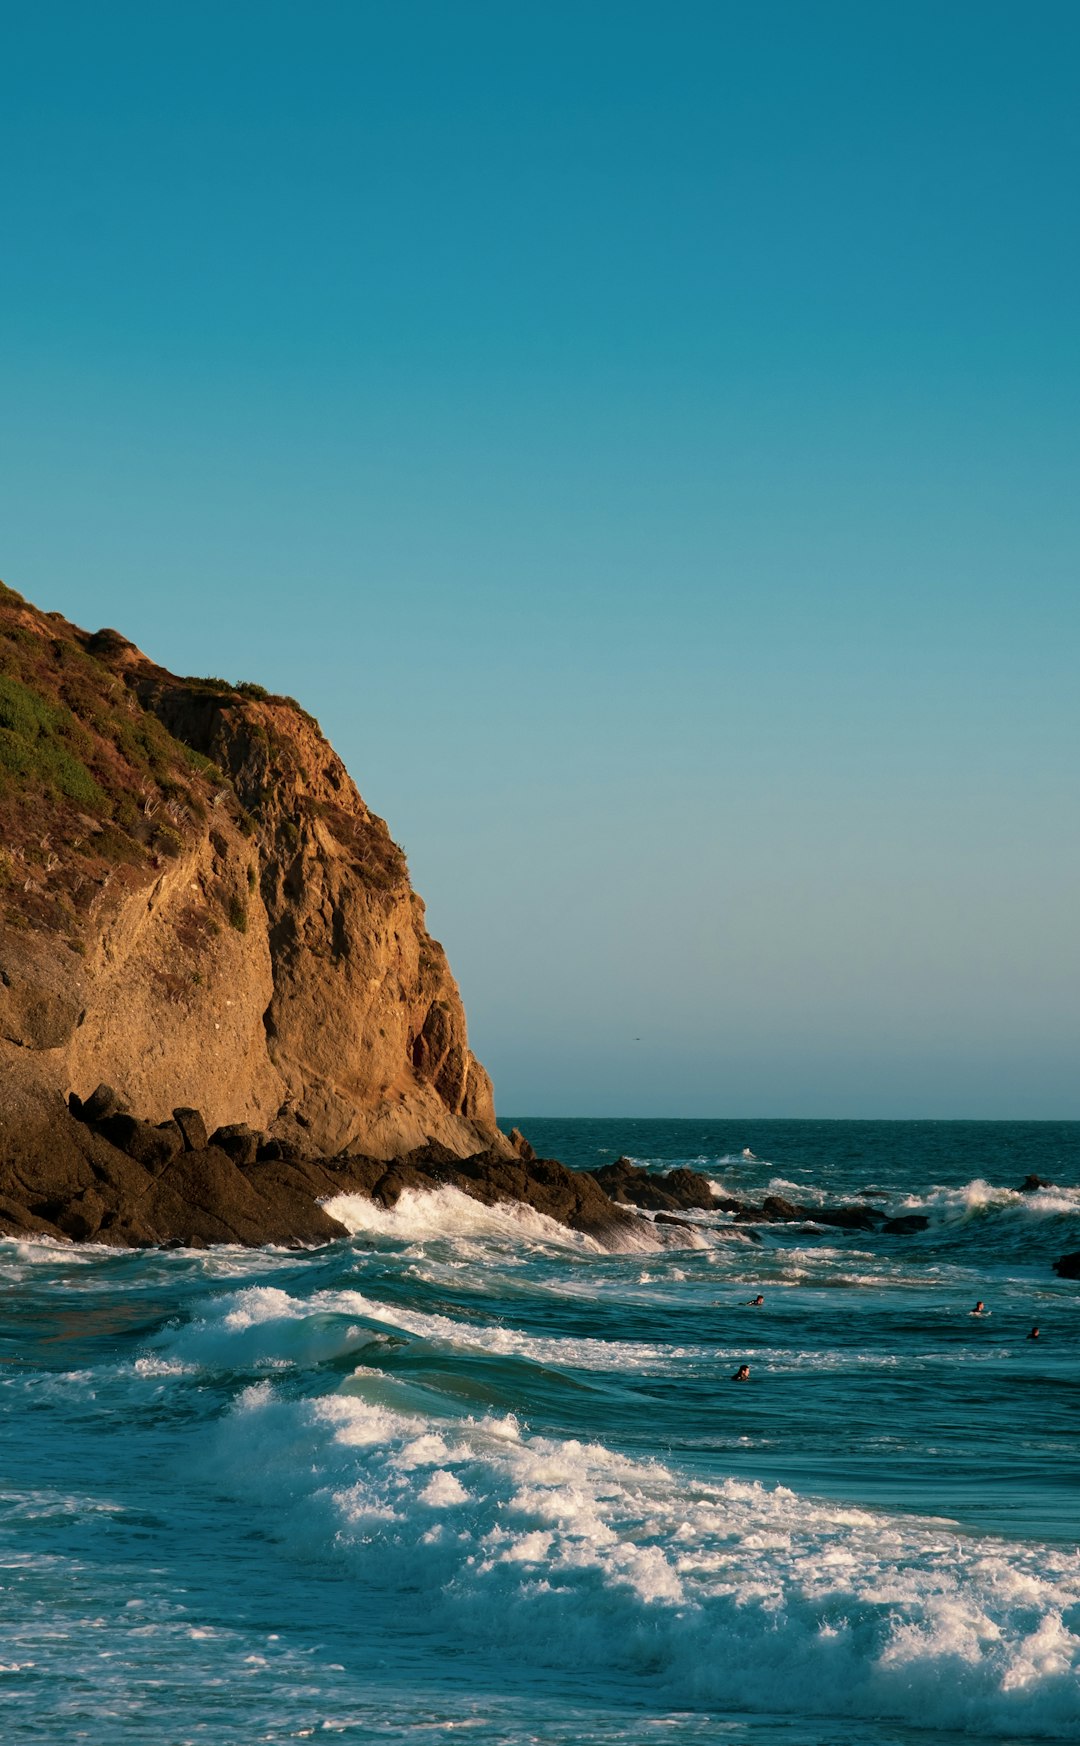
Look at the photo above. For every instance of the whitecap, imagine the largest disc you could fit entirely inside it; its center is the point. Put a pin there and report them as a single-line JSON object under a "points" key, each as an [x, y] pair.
{"points": [[729, 1594]]}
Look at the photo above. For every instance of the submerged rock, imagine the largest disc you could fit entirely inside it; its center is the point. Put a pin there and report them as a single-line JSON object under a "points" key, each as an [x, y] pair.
{"points": [[1068, 1266], [776, 1210], [848, 1218]]}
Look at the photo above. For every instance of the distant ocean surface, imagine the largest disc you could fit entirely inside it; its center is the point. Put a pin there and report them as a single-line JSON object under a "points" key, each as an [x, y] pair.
{"points": [[468, 1477]]}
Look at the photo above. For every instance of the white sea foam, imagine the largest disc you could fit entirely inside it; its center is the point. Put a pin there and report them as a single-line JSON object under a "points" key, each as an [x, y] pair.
{"points": [[446, 1214], [726, 1595], [264, 1326], [978, 1197]]}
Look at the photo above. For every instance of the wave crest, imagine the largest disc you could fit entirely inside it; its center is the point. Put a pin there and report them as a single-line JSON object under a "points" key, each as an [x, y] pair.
{"points": [[725, 1594]]}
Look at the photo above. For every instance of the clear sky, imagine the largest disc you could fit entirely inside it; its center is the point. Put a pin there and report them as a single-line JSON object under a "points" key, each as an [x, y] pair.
{"points": [[646, 436]]}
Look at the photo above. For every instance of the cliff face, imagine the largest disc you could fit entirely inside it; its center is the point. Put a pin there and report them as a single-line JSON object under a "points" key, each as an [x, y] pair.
{"points": [[197, 907]]}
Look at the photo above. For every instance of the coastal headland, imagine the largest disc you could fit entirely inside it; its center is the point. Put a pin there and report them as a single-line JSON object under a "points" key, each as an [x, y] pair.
{"points": [[197, 907], [220, 1007]]}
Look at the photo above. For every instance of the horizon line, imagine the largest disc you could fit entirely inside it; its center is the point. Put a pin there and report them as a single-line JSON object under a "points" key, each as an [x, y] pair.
{"points": [[1057, 1121]]}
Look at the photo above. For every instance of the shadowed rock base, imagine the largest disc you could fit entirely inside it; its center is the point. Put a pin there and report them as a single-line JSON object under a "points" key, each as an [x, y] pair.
{"points": [[93, 1172], [96, 1173]]}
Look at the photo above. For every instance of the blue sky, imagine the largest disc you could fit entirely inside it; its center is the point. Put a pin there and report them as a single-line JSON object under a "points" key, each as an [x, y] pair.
{"points": [[646, 437]]}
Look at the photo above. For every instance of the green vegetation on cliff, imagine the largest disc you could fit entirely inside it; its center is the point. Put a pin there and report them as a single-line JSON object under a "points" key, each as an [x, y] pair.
{"points": [[91, 782]]}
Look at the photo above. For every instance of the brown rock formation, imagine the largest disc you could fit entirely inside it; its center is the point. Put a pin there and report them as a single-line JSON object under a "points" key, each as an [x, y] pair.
{"points": [[94, 1172], [197, 907]]}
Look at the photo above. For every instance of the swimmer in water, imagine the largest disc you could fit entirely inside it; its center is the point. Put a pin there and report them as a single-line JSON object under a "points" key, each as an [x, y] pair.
{"points": [[742, 1374], [746, 1152], [979, 1310], [753, 1302], [1034, 1334]]}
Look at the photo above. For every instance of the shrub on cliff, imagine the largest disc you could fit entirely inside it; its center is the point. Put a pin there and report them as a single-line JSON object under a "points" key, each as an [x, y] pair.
{"points": [[36, 741]]}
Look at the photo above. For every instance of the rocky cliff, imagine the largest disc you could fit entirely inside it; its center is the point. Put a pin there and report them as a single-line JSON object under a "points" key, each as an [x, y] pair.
{"points": [[197, 907]]}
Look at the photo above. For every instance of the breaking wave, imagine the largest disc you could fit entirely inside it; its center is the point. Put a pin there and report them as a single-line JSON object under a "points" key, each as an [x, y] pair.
{"points": [[733, 1594]]}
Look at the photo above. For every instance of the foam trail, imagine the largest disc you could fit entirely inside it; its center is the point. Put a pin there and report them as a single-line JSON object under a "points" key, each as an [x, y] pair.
{"points": [[446, 1214], [263, 1326], [728, 1595]]}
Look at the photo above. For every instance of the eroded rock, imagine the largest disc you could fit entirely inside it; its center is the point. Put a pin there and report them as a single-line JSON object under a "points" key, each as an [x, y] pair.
{"points": [[102, 1103], [192, 1128], [151, 1146], [677, 1190], [238, 1142]]}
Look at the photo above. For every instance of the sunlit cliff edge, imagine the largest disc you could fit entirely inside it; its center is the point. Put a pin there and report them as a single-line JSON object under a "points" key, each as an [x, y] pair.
{"points": [[197, 907]]}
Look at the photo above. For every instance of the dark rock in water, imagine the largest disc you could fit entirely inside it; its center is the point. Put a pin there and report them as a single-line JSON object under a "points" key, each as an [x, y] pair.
{"points": [[777, 1208], [873, 1194], [691, 1188], [238, 1142], [152, 1147], [663, 1218], [848, 1218], [193, 1129], [521, 1146], [629, 1185], [393, 1184], [571, 1197], [665, 1191], [1031, 1184], [1068, 1266], [905, 1224]]}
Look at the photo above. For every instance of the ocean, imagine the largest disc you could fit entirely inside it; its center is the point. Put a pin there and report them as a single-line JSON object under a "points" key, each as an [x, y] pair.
{"points": [[468, 1476]]}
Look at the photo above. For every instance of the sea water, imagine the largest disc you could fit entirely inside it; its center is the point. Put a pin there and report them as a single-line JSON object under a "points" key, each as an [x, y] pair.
{"points": [[467, 1475]]}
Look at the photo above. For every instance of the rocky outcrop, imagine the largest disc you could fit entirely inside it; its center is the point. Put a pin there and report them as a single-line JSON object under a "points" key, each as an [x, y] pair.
{"points": [[661, 1192], [95, 1172], [1068, 1266], [680, 1190], [197, 907]]}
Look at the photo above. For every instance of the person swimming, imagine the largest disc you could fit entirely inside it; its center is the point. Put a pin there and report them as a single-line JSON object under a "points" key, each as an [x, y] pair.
{"points": [[746, 1152], [979, 1310], [1034, 1334], [754, 1302], [742, 1374]]}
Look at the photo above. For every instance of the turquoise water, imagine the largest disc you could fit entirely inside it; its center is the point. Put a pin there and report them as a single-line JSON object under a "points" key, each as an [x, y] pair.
{"points": [[467, 1475]]}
